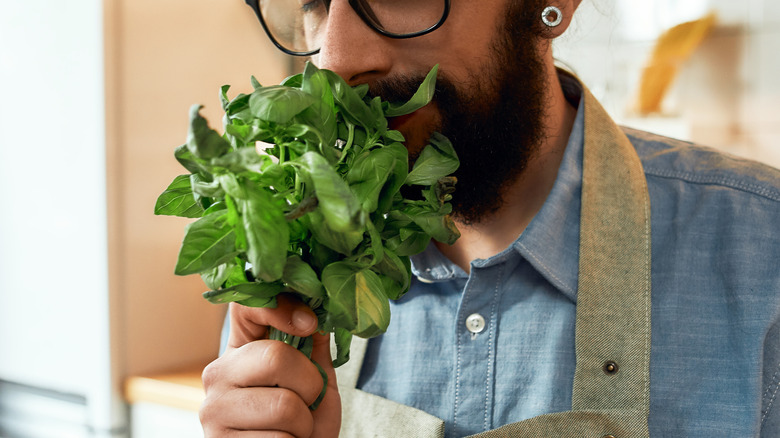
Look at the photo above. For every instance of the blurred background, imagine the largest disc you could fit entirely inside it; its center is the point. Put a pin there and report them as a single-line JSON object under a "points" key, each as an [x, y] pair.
{"points": [[97, 337]]}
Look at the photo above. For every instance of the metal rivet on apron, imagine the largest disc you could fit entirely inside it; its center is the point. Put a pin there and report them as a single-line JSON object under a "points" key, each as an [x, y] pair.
{"points": [[609, 436], [610, 368]]}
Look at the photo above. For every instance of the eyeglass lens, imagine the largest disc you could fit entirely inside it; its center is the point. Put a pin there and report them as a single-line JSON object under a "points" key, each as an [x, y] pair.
{"points": [[299, 25]]}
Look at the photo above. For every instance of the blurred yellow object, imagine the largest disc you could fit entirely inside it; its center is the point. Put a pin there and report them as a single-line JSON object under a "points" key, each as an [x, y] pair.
{"points": [[673, 48]]}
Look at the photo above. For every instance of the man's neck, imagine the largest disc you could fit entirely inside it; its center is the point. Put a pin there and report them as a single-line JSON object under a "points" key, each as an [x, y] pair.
{"points": [[525, 197]]}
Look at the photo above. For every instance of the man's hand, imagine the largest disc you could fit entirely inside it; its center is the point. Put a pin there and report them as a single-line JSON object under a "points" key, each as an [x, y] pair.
{"points": [[263, 388]]}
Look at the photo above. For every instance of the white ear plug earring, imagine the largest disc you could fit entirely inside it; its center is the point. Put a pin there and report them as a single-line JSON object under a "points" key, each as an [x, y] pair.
{"points": [[552, 16]]}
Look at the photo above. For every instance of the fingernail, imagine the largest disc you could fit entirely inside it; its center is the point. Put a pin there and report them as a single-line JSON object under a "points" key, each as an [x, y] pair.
{"points": [[303, 320]]}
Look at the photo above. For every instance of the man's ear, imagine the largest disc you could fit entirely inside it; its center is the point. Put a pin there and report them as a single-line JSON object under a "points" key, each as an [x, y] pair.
{"points": [[567, 8]]}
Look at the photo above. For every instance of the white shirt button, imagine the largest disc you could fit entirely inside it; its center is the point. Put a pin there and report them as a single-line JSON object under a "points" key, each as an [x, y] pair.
{"points": [[424, 280], [475, 323]]}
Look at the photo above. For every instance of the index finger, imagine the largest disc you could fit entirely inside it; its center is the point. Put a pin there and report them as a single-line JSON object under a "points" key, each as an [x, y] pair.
{"points": [[249, 324]]}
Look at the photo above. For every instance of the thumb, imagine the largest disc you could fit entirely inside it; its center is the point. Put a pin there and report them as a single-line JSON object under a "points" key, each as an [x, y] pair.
{"points": [[291, 315]]}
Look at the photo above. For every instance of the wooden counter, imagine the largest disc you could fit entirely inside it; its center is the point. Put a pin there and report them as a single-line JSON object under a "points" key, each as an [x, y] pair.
{"points": [[180, 390]]}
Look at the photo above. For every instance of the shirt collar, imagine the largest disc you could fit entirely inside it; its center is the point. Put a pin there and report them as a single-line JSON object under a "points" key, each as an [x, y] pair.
{"points": [[550, 243]]}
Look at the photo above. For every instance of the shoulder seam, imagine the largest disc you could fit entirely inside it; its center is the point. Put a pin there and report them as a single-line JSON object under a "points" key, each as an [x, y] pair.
{"points": [[733, 183]]}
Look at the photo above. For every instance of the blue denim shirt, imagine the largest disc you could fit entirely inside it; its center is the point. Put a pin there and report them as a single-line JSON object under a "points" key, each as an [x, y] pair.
{"points": [[715, 358]]}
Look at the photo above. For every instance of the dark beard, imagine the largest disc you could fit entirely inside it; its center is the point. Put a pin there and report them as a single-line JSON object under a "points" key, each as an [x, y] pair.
{"points": [[496, 125]]}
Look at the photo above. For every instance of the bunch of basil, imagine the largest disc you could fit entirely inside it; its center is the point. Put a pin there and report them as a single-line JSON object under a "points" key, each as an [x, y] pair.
{"points": [[320, 211]]}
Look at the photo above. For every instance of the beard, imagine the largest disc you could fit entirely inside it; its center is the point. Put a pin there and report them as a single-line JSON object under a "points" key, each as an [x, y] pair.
{"points": [[495, 120]]}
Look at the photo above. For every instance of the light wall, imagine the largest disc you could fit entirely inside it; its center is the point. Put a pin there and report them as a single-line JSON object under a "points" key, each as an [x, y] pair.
{"points": [[54, 320], [95, 97], [162, 57], [726, 96], [53, 280]]}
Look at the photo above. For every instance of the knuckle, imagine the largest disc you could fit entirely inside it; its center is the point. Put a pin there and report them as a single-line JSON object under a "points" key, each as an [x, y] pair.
{"points": [[211, 375], [204, 415], [276, 355], [288, 408], [208, 418]]}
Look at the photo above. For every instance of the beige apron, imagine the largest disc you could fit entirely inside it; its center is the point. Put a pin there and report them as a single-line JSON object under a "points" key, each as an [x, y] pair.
{"points": [[612, 381]]}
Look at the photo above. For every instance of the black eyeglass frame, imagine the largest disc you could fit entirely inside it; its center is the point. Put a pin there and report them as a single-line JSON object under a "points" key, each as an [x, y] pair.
{"points": [[361, 12]]}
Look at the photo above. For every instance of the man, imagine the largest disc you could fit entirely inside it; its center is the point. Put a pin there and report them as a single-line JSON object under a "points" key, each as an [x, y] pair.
{"points": [[605, 284]]}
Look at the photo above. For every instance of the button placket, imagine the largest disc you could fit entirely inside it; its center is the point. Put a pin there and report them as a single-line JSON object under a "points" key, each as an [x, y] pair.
{"points": [[476, 351]]}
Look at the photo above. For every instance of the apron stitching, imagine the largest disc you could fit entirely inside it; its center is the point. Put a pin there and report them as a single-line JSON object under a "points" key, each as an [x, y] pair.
{"points": [[648, 285]]}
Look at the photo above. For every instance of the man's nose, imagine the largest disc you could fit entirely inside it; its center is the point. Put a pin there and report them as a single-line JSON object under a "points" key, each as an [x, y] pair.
{"points": [[351, 48]]}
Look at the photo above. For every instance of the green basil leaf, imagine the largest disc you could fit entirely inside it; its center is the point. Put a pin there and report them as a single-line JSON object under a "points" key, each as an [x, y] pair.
{"points": [[223, 97], [260, 289], [361, 90], [376, 249], [322, 114], [356, 300], [242, 160], [305, 132], [202, 141], [350, 102], [343, 242], [421, 98], [224, 296], [255, 82], [396, 179], [205, 185], [293, 81], [278, 103], [258, 302], [394, 136], [267, 234], [272, 175], [437, 225], [338, 204], [226, 275], [237, 275], [216, 277], [208, 243], [237, 106], [217, 206], [343, 340], [254, 293], [177, 200], [437, 160], [187, 160], [231, 185], [301, 277], [321, 255], [395, 274], [239, 130], [414, 243], [368, 175], [233, 217], [380, 124]]}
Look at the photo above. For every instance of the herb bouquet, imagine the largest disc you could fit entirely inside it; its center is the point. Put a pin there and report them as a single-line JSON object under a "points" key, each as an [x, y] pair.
{"points": [[302, 194]]}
